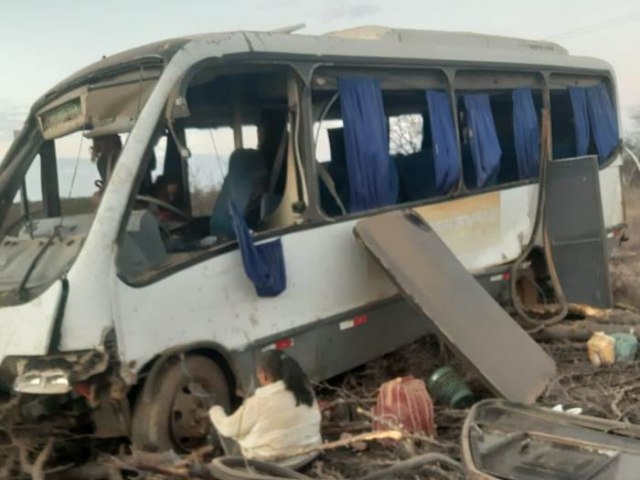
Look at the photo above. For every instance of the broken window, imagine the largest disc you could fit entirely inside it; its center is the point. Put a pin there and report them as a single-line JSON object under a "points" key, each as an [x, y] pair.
{"points": [[583, 117], [499, 121], [238, 136], [54, 209], [27, 204], [415, 154], [210, 149], [229, 145]]}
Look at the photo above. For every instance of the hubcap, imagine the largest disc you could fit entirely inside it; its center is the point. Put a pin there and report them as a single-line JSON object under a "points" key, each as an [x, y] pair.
{"points": [[189, 424]]}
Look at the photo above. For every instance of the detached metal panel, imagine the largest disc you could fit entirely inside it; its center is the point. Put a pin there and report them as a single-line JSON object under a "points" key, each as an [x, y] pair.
{"points": [[576, 229], [464, 314]]}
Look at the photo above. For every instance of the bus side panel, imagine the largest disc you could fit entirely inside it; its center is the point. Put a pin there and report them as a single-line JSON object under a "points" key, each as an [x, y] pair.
{"points": [[328, 274], [611, 191], [355, 340]]}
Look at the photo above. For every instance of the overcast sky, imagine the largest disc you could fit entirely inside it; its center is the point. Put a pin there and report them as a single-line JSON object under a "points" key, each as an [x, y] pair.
{"points": [[44, 41]]}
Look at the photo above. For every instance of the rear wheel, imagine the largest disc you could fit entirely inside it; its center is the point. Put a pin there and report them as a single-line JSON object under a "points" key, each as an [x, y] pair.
{"points": [[170, 412]]}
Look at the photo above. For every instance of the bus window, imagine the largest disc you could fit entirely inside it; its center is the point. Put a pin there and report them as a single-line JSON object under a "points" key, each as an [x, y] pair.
{"points": [[499, 120], [25, 209], [408, 165], [208, 164], [81, 168], [573, 123]]}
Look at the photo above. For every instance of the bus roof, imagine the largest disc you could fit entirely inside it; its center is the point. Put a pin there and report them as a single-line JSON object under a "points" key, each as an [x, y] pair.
{"points": [[367, 44]]}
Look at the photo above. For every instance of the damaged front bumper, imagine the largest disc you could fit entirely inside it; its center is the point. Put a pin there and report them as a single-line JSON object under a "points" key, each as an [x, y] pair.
{"points": [[43, 382], [84, 390], [54, 374]]}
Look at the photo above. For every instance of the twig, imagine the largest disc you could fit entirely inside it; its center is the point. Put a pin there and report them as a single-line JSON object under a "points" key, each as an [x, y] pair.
{"points": [[345, 442], [618, 396], [180, 470], [35, 469], [5, 471], [405, 433], [197, 455], [574, 309]]}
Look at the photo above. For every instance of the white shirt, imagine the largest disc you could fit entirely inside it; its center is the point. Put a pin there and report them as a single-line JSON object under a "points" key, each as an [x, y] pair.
{"points": [[270, 423]]}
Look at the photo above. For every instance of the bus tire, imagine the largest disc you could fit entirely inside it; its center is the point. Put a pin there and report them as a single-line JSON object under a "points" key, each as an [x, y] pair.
{"points": [[170, 412]]}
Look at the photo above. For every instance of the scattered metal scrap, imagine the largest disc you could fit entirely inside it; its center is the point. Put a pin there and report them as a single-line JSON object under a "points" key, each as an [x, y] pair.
{"points": [[507, 441], [607, 392]]}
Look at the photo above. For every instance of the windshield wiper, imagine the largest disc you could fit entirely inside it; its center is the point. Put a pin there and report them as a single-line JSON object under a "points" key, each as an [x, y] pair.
{"points": [[23, 293]]}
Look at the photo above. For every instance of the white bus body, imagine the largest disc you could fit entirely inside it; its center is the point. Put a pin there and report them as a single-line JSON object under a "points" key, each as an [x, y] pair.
{"points": [[339, 308]]}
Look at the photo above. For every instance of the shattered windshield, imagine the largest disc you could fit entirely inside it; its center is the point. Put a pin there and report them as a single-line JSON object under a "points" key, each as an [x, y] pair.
{"points": [[53, 177]]}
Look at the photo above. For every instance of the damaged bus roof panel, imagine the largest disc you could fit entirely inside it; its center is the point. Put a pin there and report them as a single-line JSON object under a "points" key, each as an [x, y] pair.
{"points": [[470, 321]]}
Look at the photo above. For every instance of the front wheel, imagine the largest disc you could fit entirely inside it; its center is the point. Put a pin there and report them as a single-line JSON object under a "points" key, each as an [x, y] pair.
{"points": [[170, 412]]}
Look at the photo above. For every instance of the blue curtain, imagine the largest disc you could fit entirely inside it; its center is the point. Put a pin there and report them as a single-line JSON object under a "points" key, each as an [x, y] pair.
{"points": [[263, 262], [526, 133], [373, 180], [602, 117], [580, 119], [485, 147], [443, 137]]}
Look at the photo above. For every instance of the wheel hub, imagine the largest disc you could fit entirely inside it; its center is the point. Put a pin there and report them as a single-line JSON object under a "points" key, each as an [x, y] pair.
{"points": [[189, 423]]}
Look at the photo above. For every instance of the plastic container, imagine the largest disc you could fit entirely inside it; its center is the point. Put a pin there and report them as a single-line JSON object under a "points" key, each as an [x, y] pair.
{"points": [[602, 349], [448, 388], [626, 347]]}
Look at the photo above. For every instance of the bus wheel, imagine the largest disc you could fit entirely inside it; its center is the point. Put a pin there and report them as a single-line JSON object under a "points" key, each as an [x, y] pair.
{"points": [[171, 410]]}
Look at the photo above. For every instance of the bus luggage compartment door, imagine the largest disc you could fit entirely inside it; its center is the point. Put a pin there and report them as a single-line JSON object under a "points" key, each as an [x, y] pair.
{"points": [[432, 278], [577, 237]]}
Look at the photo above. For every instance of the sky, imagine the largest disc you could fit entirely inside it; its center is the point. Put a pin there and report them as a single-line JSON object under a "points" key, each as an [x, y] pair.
{"points": [[44, 41]]}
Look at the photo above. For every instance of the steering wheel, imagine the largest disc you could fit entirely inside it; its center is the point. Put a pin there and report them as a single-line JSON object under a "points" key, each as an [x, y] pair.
{"points": [[164, 205]]}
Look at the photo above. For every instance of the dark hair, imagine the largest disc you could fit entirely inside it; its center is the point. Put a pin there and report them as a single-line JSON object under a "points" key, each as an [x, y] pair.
{"points": [[280, 366]]}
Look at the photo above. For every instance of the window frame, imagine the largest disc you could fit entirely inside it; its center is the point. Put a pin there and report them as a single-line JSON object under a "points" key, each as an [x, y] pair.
{"points": [[589, 78], [394, 71], [303, 70], [487, 75], [450, 70], [177, 110]]}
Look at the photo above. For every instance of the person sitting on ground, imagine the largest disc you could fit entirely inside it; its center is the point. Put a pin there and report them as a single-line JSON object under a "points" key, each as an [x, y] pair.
{"points": [[282, 416]]}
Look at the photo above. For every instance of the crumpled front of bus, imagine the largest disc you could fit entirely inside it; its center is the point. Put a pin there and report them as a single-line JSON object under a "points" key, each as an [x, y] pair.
{"points": [[51, 183], [52, 177]]}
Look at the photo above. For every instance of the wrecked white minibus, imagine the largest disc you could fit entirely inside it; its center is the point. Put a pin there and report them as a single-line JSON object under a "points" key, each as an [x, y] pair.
{"points": [[135, 310]]}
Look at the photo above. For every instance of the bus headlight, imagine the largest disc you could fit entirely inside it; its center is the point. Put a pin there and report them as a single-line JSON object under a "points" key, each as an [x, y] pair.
{"points": [[43, 382]]}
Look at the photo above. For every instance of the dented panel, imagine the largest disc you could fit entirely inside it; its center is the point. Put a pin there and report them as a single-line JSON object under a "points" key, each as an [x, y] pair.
{"points": [[465, 315]]}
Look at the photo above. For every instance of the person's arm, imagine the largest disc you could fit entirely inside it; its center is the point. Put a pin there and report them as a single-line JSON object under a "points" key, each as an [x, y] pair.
{"points": [[237, 425]]}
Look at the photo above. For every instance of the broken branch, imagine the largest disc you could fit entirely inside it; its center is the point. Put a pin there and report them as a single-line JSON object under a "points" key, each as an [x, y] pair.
{"points": [[344, 442], [35, 469]]}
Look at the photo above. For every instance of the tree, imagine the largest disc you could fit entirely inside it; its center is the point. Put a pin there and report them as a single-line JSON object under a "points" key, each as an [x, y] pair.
{"points": [[405, 134], [632, 138], [632, 141]]}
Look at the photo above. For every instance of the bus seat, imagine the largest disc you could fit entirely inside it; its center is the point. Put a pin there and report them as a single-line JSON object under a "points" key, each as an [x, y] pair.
{"points": [[245, 182]]}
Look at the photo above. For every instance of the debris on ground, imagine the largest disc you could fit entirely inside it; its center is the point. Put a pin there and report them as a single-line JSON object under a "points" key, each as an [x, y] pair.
{"points": [[348, 403], [353, 450]]}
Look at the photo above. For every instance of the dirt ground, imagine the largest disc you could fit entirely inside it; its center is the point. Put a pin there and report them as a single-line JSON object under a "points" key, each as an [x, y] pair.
{"points": [[610, 392], [625, 264]]}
